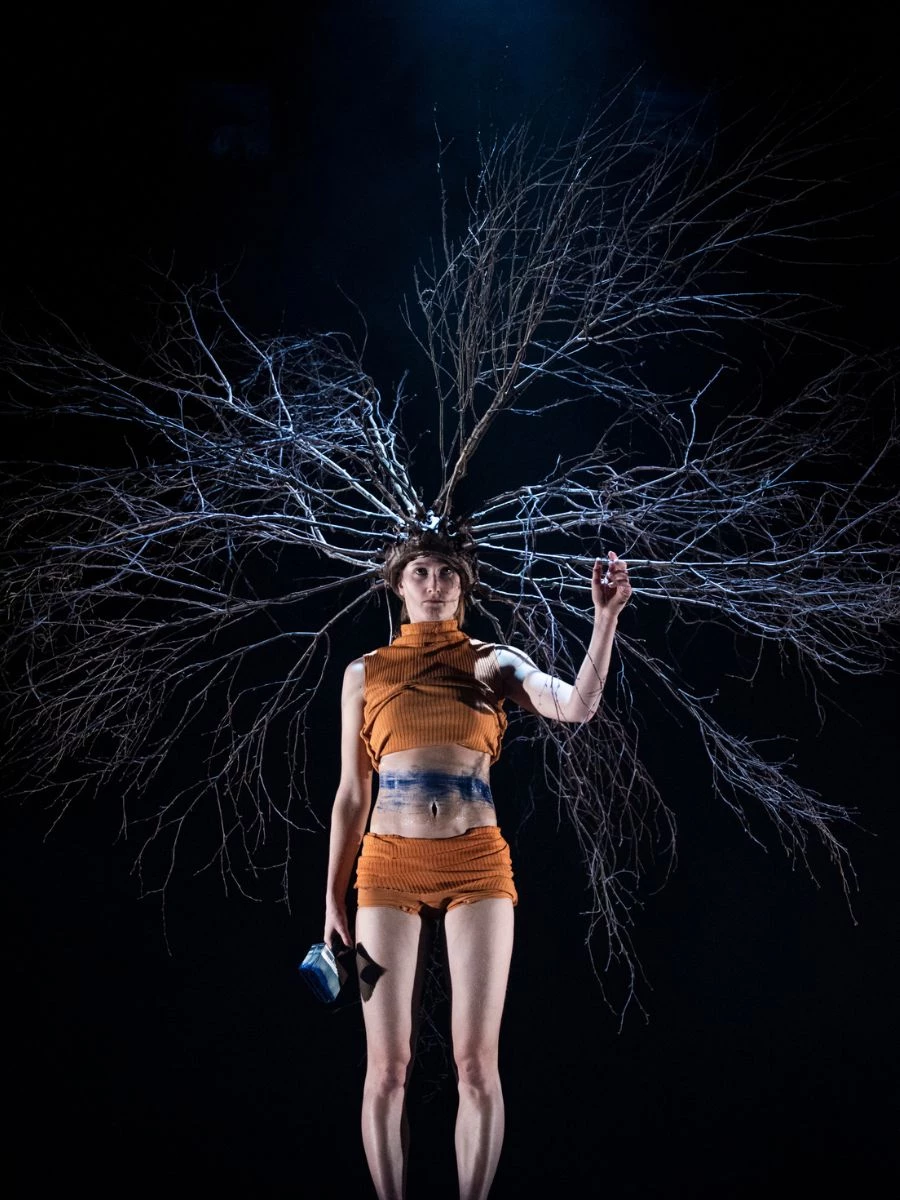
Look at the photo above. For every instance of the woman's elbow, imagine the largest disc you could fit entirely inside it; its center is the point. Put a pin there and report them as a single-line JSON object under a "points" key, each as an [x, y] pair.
{"points": [[353, 797], [579, 714]]}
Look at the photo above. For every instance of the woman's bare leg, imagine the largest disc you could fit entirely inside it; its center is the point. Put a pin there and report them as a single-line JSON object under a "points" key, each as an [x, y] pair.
{"points": [[479, 940], [394, 942]]}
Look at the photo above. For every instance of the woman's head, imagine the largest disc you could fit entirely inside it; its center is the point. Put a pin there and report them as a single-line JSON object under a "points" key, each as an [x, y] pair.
{"points": [[405, 562]]}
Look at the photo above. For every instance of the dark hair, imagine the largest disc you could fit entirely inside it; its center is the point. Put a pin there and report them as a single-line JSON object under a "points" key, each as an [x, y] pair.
{"points": [[456, 550]]}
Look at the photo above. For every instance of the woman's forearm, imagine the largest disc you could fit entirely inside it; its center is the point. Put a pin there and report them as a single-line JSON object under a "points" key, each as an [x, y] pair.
{"points": [[348, 824], [587, 690]]}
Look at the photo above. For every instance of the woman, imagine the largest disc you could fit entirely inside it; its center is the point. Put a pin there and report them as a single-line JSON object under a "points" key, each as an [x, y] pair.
{"points": [[427, 713]]}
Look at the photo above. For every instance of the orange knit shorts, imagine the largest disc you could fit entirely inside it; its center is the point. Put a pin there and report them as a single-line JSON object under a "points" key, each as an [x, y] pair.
{"points": [[415, 874]]}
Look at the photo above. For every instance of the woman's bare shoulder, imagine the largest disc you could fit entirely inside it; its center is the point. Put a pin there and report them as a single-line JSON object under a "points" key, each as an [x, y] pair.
{"points": [[354, 675], [495, 647], [512, 658]]}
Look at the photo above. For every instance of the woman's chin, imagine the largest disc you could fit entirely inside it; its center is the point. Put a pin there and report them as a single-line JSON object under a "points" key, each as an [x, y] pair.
{"points": [[434, 612]]}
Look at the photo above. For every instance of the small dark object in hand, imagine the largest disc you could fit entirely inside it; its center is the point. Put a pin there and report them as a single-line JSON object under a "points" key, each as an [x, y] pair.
{"points": [[322, 971]]}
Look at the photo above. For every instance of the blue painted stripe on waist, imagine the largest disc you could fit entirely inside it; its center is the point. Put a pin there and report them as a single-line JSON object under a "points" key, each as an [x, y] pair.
{"points": [[436, 781]]}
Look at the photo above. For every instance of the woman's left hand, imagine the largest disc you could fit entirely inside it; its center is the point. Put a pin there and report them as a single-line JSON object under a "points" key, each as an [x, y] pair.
{"points": [[610, 585]]}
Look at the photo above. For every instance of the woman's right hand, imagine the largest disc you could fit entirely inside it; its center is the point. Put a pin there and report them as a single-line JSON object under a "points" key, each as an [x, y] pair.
{"points": [[337, 926]]}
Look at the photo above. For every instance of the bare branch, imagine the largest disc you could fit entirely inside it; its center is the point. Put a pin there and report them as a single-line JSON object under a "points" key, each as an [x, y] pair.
{"points": [[183, 599]]}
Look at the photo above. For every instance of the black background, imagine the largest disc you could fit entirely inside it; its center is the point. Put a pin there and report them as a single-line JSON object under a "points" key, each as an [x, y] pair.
{"points": [[296, 154]]}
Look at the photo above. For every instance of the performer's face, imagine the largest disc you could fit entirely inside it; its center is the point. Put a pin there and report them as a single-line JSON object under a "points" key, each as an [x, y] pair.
{"points": [[430, 588]]}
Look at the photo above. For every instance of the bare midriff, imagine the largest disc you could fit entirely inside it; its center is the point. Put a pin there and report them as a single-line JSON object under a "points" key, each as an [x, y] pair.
{"points": [[433, 792]]}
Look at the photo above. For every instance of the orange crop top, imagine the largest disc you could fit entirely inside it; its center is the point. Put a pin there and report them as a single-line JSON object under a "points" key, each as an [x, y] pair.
{"points": [[431, 686]]}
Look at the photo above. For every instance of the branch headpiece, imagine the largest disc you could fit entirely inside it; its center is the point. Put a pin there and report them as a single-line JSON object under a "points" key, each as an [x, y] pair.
{"points": [[148, 607], [440, 536]]}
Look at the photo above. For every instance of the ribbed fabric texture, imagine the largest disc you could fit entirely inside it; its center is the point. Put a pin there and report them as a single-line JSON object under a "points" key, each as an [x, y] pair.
{"points": [[431, 686], [437, 872]]}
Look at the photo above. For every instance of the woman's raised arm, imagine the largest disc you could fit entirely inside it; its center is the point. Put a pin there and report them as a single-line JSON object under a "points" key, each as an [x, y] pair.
{"points": [[574, 702]]}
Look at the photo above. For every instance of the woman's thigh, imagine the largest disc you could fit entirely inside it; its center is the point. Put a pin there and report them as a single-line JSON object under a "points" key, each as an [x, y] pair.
{"points": [[391, 951], [479, 939]]}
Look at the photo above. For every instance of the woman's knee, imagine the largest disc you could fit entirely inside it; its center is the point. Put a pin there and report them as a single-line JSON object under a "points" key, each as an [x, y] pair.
{"points": [[387, 1072], [476, 1068]]}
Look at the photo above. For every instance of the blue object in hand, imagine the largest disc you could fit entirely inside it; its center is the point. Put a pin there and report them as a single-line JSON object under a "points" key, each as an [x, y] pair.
{"points": [[324, 974]]}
